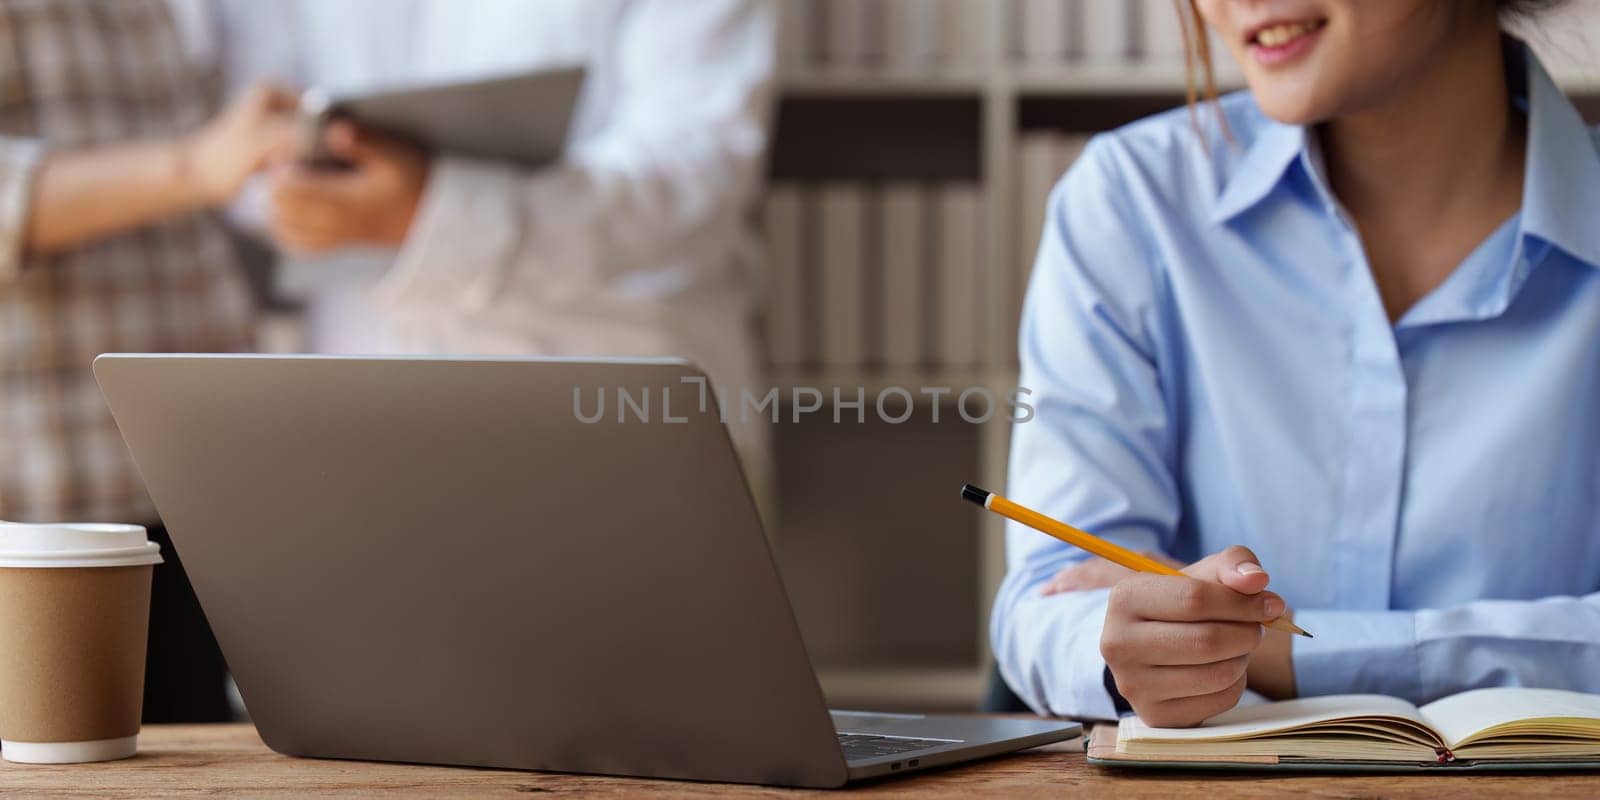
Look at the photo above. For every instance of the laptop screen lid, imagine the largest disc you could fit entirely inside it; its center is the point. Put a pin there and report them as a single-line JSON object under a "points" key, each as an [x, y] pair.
{"points": [[452, 561]]}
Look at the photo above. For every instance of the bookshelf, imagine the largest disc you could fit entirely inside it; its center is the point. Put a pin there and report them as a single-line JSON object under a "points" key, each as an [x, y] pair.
{"points": [[970, 112]]}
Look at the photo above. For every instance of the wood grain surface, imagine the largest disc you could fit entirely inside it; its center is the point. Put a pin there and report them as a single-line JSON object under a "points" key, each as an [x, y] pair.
{"points": [[229, 760]]}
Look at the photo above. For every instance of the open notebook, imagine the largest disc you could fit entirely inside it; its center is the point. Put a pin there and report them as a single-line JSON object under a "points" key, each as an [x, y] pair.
{"points": [[1512, 728]]}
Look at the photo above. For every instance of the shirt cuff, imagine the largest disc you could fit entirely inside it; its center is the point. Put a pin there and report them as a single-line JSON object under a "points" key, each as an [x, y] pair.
{"points": [[19, 166], [1357, 652], [1086, 668], [1055, 665], [1118, 702]]}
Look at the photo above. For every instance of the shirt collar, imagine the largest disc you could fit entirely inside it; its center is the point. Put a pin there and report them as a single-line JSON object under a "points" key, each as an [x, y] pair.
{"points": [[1561, 185], [1262, 167]]}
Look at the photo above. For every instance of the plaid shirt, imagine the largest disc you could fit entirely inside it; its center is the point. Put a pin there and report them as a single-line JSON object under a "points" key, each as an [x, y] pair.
{"points": [[81, 73]]}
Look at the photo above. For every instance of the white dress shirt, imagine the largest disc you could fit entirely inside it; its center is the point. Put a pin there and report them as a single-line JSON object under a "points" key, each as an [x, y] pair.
{"points": [[636, 243]]}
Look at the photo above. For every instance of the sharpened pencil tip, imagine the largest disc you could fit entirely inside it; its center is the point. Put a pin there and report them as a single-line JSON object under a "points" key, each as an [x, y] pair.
{"points": [[1307, 635]]}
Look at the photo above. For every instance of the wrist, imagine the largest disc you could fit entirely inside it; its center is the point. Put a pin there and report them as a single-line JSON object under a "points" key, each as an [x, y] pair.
{"points": [[1271, 670], [188, 174]]}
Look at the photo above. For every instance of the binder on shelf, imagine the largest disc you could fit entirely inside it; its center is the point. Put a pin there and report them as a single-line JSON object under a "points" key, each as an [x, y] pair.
{"points": [[905, 253], [1043, 25], [873, 16], [1106, 31], [843, 284], [849, 42], [911, 34], [1161, 33], [964, 28], [795, 48], [961, 281], [788, 318]]}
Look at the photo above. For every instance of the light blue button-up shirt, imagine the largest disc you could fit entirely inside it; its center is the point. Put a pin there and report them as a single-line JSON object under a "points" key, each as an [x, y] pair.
{"points": [[1211, 364]]}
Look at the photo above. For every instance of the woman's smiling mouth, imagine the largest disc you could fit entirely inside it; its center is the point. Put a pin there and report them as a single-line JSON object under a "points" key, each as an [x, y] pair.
{"points": [[1279, 42]]}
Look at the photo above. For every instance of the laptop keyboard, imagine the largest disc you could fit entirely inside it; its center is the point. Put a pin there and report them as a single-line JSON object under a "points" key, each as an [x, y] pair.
{"points": [[861, 746]]}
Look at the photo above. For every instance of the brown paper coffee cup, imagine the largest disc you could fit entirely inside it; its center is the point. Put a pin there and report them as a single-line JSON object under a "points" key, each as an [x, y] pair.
{"points": [[74, 621]]}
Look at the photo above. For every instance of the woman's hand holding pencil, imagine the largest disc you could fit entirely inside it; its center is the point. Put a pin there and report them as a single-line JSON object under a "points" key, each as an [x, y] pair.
{"points": [[1182, 644], [1181, 647]]}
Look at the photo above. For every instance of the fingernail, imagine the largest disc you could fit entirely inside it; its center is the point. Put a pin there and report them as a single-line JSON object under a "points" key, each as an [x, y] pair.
{"points": [[1248, 568], [1274, 607]]}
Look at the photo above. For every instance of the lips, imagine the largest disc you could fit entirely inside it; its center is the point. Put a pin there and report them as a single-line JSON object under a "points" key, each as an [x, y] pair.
{"points": [[1284, 42], [1278, 34]]}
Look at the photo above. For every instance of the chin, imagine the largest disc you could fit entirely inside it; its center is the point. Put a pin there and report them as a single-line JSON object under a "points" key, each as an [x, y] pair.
{"points": [[1290, 105]]}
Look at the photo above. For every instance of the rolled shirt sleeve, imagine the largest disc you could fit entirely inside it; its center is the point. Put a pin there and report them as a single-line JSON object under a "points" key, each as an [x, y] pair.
{"points": [[20, 160]]}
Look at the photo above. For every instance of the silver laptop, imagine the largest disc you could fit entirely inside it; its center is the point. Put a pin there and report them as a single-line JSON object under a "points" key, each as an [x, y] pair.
{"points": [[453, 561]]}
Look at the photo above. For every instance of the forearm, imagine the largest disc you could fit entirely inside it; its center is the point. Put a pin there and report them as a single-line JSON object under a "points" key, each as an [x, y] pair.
{"points": [[1430, 653], [81, 196]]}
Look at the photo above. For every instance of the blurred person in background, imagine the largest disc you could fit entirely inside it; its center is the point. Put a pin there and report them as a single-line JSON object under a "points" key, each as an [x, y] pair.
{"points": [[113, 157], [636, 243]]}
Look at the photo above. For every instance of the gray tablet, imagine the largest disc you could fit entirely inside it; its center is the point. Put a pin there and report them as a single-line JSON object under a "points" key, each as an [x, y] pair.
{"points": [[521, 118]]}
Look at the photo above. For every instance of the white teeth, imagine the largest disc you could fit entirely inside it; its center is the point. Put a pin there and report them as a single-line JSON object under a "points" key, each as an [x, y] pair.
{"points": [[1279, 35]]}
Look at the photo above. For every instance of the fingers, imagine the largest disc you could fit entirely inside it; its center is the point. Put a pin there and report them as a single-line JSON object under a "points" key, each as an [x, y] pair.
{"points": [[350, 142], [281, 138], [326, 190], [307, 209], [280, 98], [1184, 712], [1060, 584], [1179, 643], [298, 194], [343, 140], [1096, 573], [1179, 599], [1155, 685], [304, 237], [1235, 567], [1181, 647], [1093, 573], [268, 98]]}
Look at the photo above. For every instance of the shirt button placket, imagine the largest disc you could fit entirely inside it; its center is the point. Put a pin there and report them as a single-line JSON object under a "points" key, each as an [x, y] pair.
{"points": [[1375, 471]]}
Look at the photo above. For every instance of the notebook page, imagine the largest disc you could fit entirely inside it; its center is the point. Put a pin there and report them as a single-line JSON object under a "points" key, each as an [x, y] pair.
{"points": [[1459, 716], [1245, 722]]}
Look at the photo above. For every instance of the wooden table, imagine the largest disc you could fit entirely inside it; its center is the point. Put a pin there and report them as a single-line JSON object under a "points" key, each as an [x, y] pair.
{"points": [[193, 760]]}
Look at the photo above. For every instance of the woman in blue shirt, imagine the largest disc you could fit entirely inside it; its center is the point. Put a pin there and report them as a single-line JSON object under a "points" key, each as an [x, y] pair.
{"points": [[1346, 329]]}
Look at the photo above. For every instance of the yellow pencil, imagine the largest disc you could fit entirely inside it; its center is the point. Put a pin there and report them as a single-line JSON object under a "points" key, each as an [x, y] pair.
{"points": [[1089, 542]]}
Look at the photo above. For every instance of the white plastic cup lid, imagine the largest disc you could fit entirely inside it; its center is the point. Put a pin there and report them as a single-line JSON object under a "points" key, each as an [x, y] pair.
{"points": [[76, 544]]}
